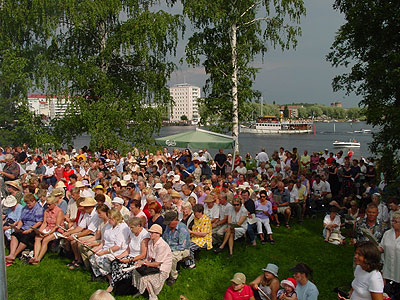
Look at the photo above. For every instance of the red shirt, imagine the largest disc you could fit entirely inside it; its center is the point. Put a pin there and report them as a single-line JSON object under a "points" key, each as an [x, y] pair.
{"points": [[245, 294]]}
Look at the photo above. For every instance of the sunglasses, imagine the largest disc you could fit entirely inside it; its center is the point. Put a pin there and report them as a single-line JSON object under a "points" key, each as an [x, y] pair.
{"points": [[236, 204], [263, 196]]}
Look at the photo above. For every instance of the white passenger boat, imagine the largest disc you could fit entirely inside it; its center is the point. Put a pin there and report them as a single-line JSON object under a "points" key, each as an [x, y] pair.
{"points": [[349, 144], [274, 125]]}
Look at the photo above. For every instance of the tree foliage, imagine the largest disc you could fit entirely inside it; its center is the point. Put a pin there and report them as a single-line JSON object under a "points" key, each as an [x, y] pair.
{"points": [[107, 58], [258, 26], [369, 45]]}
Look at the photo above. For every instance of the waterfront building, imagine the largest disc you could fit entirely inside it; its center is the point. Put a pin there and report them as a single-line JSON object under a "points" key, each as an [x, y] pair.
{"points": [[185, 97]]}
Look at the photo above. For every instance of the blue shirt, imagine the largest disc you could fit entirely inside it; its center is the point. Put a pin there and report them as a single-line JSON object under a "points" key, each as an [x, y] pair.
{"points": [[307, 292], [15, 214], [179, 239], [30, 217]]}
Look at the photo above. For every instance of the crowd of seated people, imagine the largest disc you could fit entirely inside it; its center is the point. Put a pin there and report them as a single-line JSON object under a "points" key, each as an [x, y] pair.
{"points": [[147, 213]]}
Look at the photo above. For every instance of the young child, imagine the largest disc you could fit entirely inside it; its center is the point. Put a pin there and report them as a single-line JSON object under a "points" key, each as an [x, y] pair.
{"points": [[288, 293]]}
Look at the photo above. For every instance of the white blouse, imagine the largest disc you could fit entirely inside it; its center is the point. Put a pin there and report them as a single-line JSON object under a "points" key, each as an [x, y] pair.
{"points": [[116, 236], [391, 247], [136, 241]]}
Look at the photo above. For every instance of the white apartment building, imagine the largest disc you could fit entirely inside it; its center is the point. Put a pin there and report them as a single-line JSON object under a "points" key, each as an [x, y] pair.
{"points": [[185, 102], [50, 107]]}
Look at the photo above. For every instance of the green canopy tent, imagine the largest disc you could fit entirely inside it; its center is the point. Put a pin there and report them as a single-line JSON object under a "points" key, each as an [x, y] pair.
{"points": [[197, 139]]}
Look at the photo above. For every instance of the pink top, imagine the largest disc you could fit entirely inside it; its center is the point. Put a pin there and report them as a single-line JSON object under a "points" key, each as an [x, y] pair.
{"points": [[51, 219]]}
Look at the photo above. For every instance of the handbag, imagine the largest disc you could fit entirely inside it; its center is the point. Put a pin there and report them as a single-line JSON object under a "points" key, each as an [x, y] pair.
{"points": [[145, 270]]}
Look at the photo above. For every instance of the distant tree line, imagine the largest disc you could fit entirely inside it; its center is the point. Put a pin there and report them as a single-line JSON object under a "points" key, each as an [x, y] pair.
{"points": [[253, 110]]}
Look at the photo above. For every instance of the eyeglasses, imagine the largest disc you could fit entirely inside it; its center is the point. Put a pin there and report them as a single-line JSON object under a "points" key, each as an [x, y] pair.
{"points": [[395, 222]]}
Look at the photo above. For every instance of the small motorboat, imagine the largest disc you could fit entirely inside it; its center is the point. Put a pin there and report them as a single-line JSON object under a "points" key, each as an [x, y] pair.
{"points": [[349, 144]]}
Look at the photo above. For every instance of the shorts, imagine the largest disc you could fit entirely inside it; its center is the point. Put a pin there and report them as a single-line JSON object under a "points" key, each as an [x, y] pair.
{"points": [[27, 239], [281, 209]]}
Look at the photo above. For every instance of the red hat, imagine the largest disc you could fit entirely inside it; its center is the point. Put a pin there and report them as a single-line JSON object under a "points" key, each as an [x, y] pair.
{"points": [[290, 282]]}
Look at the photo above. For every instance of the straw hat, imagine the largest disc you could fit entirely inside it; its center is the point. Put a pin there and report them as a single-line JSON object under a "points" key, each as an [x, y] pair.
{"points": [[79, 184], [175, 195], [89, 202], [124, 183], [209, 199], [60, 184], [57, 192], [14, 184]]}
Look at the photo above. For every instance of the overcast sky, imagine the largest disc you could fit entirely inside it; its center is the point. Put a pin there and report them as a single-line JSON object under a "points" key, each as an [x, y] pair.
{"points": [[301, 75]]}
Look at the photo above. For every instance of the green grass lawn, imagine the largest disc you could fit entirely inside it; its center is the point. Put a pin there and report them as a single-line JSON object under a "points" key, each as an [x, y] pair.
{"points": [[302, 243]]}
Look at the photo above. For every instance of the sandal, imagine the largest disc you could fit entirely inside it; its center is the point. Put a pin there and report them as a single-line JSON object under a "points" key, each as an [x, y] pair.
{"points": [[9, 263], [72, 263], [278, 225], [75, 266], [287, 226]]}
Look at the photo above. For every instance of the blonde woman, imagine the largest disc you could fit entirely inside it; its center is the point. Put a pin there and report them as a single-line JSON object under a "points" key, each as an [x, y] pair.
{"points": [[114, 241], [52, 218]]}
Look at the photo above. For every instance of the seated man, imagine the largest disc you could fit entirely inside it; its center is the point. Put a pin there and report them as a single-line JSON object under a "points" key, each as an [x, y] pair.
{"points": [[220, 226], [237, 226], [211, 210], [298, 195], [201, 233], [177, 236], [85, 229], [282, 199]]}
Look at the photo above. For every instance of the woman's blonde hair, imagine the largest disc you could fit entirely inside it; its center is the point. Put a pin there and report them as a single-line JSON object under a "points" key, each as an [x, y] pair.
{"points": [[51, 200], [115, 214], [101, 295]]}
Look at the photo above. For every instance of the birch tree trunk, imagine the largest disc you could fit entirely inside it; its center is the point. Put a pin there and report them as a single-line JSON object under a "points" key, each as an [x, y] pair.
{"points": [[235, 102]]}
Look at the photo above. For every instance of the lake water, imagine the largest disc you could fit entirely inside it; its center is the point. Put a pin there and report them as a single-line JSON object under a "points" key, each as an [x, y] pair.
{"points": [[326, 134]]}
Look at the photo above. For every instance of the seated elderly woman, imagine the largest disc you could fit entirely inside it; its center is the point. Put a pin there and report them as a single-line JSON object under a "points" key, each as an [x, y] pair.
{"points": [[187, 215], [237, 226], [53, 218], [155, 269], [136, 250], [332, 224], [115, 241], [12, 215], [23, 235]]}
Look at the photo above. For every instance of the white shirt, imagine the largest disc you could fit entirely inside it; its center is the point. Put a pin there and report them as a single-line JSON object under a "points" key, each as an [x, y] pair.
{"points": [[116, 236], [236, 216], [91, 221], [318, 188], [366, 282], [383, 213], [327, 187], [391, 247], [49, 171], [136, 241], [31, 166], [212, 213], [224, 210], [240, 170], [262, 157]]}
